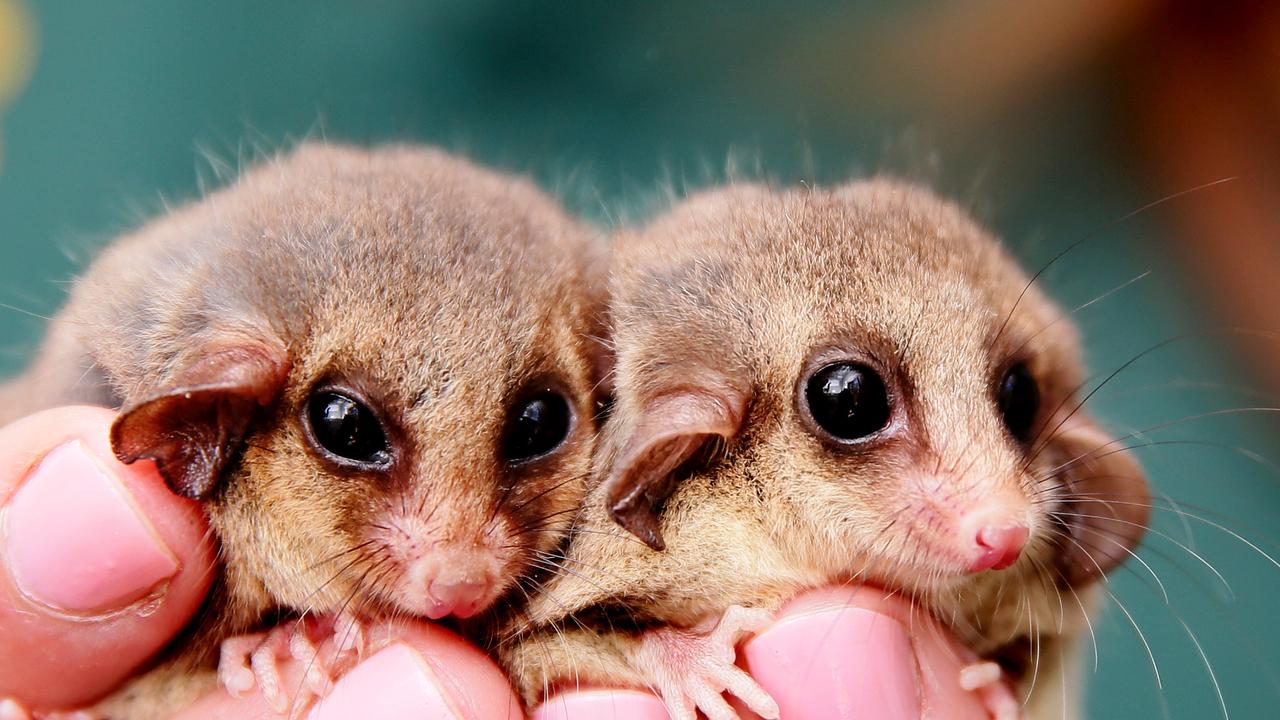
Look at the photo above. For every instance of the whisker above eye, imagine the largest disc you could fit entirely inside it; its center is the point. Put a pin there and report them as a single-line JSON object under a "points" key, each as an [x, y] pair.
{"points": [[1042, 439], [1093, 235], [1178, 421]]}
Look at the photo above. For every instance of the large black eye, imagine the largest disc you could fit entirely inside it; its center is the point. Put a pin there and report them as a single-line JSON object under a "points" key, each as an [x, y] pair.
{"points": [[848, 401], [536, 426], [347, 429], [1019, 400]]}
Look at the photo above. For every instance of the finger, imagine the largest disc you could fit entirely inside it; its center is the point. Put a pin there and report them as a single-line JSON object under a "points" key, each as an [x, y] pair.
{"points": [[420, 670], [854, 647], [100, 564], [603, 705]]}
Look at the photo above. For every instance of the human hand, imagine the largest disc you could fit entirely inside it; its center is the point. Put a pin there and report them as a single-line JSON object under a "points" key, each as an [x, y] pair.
{"points": [[834, 649], [101, 565]]}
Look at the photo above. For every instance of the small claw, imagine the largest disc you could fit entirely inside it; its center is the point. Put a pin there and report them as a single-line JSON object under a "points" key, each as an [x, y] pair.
{"points": [[739, 622], [265, 660], [741, 685], [711, 701], [679, 705], [986, 678], [979, 675], [234, 671], [349, 635], [318, 679]]}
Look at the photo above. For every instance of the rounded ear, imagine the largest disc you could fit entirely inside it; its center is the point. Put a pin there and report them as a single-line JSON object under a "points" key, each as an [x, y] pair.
{"points": [[194, 424], [1107, 502], [672, 429]]}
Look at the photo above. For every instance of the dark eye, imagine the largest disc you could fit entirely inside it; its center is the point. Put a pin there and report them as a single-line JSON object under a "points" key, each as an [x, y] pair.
{"points": [[536, 426], [347, 429], [1019, 399], [848, 401]]}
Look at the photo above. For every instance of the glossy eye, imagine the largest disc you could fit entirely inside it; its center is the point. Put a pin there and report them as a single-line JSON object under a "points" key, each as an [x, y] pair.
{"points": [[347, 429], [848, 401], [536, 426], [1019, 399]]}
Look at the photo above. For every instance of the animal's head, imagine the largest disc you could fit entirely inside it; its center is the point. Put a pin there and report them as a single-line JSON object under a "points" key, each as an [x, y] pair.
{"points": [[869, 365], [388, 396]]}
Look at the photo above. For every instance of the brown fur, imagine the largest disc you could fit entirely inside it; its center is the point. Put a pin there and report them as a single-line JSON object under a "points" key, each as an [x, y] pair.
{"points": [[437, 289], [724, 303]]}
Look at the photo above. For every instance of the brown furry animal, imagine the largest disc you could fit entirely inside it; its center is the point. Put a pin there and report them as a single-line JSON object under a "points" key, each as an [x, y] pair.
{"points": [[377, 369], [819, 386]]}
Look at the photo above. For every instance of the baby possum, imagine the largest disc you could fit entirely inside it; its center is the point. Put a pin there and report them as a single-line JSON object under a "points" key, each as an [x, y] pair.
{"points": [[821, 386], [377, 370]]}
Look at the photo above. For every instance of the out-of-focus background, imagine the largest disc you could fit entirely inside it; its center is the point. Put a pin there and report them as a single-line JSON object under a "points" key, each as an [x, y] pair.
{"points": [[1056, 120]]}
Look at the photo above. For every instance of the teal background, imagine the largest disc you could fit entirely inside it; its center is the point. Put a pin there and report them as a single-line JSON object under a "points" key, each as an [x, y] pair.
{"points": [[611, 105]]}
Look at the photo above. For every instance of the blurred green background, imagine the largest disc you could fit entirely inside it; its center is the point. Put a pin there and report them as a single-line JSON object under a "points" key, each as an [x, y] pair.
{"points": [[133, 104]]}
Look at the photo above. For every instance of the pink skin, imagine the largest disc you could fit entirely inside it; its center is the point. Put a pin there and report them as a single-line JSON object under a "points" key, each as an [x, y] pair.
{"points": [[412, 670], [100, 565], [831, 650], [68, 509], [964, 525], [439, 578], [1001, 546]]}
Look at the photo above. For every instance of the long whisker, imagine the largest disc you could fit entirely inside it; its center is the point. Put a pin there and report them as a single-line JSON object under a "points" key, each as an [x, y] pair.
{"points": [[1213, 677], [1166, 536], [1094, 234], [1233, 534]]}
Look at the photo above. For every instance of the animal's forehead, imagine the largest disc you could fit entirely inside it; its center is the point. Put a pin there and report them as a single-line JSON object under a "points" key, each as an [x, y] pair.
{"points": [[403, 268], [801, 269], [441, 381], [402, 242]]}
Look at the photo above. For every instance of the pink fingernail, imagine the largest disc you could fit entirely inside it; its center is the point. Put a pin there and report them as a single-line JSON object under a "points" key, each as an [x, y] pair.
{"points": [[77, 542], [398, 682], [837, 662], [603, 705]]}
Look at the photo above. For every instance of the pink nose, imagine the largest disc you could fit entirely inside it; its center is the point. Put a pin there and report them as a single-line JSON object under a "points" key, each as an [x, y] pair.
{"points": [[1000, 547], [458, 596]]}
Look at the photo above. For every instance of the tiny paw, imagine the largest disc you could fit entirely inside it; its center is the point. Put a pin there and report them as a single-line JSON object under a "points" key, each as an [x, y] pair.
{"points": [[692, 670], [249, 661], [323, 646], [987, 679]]}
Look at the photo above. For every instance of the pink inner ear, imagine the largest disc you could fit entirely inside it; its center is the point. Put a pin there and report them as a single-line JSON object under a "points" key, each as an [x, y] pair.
{"points": [[1109, 502], [673, 428], [193, 425]]}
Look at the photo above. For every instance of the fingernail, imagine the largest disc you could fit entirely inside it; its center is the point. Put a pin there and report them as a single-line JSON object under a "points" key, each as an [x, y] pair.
{"points": [[603, 705], [396, 682], [837, 662], [76, 541]]}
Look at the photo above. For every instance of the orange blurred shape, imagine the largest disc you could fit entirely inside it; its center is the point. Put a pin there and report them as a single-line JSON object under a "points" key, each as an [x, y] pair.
{"points": [[17, 49]]}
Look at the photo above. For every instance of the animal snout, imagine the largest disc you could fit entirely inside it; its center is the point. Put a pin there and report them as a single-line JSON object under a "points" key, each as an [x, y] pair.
{"points": [[999, 547], [993, 540], [462, 585]]}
